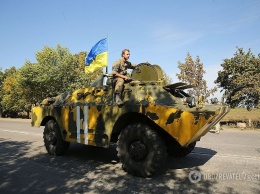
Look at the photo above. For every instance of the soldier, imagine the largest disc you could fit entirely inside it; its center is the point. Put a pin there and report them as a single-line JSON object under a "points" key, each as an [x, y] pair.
{"points": [[119, 71]]}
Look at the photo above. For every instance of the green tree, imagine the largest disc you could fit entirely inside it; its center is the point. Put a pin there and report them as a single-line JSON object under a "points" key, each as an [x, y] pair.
{"points": [[11, 101], [240, 79], [192, 73], [56, 68], [62, 71], [30, 79], [83, 79], [1, 91], [56, 71]]}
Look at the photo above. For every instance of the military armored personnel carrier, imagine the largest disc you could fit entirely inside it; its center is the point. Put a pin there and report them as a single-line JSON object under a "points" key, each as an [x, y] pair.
{"points": [[155, 120]]}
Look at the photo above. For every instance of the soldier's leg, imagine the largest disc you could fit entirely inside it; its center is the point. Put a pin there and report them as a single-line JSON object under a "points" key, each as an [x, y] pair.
{"points": [[119, 85], [118, 90]]}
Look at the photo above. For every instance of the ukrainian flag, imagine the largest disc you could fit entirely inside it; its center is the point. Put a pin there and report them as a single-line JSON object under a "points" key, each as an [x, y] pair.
{"points": [[97, 57]]}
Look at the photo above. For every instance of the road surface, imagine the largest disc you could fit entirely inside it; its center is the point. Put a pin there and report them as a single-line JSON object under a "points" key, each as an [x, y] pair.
{"points": [[228, 162]]}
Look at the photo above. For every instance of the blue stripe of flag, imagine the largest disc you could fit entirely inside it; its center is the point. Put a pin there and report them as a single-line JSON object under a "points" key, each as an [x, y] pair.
{"points": [[98, 48]]}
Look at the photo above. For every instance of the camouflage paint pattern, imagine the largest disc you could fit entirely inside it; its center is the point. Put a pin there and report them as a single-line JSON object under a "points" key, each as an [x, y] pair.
{"points": [[88, 116]]}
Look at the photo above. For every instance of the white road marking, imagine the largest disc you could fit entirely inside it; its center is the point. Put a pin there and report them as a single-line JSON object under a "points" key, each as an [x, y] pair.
{"points": [[20, 132], [226, 155]]}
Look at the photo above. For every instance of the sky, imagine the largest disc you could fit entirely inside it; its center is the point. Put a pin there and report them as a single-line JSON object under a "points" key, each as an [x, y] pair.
{"points": [[160, 32]]}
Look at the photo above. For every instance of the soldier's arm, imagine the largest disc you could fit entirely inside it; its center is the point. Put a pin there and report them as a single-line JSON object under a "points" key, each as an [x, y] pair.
{"points": [[115, 72], [131, 65], [121, 76], [115, 69]]}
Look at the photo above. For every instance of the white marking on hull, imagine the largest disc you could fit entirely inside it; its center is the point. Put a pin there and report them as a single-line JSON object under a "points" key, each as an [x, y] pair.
{"points": [[86, 124], [78, 123]]}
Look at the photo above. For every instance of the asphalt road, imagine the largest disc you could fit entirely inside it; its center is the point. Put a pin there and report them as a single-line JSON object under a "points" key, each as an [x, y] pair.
{"points": [[228, 162]]}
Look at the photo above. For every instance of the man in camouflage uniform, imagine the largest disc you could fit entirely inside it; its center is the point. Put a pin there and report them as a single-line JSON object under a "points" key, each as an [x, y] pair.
{"points": [[119, 71]]}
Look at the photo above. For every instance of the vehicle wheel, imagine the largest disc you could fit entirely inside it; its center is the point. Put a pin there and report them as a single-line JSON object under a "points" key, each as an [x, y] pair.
{"points": [[141, 150], [53, 141], [178, 151]]}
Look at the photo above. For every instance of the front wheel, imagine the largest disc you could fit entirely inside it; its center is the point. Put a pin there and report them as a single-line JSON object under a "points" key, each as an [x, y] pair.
{"points": [[141, 150], [54, 143]]}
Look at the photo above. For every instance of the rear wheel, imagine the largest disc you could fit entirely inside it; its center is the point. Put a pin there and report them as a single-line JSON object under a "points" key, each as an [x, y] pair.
{"points": [[141, 150], [54, 143]]}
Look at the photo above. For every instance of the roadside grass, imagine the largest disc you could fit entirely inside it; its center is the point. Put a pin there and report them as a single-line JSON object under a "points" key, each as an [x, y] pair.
{"points": [[242, 114], [242, 119]]}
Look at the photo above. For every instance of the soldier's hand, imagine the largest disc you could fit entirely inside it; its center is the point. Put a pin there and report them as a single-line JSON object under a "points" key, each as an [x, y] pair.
{"points": [[123, 72], [128, 79]]}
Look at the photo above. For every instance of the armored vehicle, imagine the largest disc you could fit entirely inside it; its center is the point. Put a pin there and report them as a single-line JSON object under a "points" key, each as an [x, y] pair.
{"points": [[155, 120]]}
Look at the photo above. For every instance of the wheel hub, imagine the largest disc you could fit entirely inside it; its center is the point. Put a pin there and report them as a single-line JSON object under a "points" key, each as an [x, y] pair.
{"points": [[52, 138], [137, 150]]}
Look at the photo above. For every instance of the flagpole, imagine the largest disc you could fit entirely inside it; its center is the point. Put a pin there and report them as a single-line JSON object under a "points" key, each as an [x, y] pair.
{"points": [[107, 57]]}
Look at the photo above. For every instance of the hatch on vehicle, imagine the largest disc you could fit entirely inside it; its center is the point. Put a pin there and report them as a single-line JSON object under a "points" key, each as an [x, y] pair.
{"points": [[176, 89], [147, 72], [178, 85]]}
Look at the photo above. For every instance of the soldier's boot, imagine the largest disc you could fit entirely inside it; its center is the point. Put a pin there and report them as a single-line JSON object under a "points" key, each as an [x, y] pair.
{"points": [[118, 99]]}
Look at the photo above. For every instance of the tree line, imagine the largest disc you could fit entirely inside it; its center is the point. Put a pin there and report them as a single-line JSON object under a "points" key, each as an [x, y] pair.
{"points": [[239, 79], [57, 71]]}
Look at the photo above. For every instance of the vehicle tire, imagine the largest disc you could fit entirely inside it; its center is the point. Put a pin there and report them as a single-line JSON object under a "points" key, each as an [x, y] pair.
{"points": [[175, 150], [54, 143], [141, 150]]}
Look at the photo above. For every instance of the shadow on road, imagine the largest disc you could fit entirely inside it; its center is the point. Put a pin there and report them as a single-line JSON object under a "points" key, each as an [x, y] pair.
{"points": [[93, 170]]}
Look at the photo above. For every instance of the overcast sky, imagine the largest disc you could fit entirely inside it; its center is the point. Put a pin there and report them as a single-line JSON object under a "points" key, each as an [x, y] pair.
{"points": [[159, 31]]}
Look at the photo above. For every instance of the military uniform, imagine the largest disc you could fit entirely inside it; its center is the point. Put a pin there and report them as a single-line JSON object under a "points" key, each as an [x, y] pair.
{"points": [[120, 66]]}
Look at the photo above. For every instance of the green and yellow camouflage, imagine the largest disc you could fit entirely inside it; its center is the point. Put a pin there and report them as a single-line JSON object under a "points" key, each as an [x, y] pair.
{"points": [[90, 116]]}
